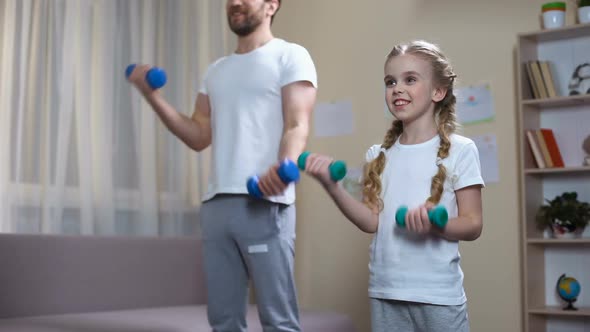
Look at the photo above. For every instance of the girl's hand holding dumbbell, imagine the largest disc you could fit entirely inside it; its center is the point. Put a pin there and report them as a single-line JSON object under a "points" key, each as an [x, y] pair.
{"points": [[417, 220], [318, 166]]}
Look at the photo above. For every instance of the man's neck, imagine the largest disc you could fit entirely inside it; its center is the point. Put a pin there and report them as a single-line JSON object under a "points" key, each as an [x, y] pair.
{"points": [[253, 41]]}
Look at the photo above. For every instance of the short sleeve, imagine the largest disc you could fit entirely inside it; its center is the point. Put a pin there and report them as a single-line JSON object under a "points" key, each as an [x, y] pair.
{"points": [[372, 153], [203, 87], [467, 170], [298, 66]]}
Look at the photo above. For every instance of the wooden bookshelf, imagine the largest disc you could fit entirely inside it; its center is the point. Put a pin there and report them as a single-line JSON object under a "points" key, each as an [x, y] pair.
{"points": [[544, 259]]}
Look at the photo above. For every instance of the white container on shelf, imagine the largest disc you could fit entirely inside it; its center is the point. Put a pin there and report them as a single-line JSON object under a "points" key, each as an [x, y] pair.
{"points": [[553, 15], [584, 14]]}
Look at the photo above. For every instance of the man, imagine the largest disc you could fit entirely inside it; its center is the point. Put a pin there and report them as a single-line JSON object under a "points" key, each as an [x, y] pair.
{"points": [[254, 110]]}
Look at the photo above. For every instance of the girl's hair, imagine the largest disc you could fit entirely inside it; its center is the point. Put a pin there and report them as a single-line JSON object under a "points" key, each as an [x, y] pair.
{"points": [[444, 116]]}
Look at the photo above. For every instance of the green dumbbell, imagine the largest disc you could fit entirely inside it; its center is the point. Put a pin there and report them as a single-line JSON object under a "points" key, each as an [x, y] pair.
{"points": [[438, 216], [337, 168]]}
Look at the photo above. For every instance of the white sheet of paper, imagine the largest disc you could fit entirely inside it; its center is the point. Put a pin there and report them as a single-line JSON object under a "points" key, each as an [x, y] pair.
{"points": [[488, 157], [475, 104], [333, 119]]}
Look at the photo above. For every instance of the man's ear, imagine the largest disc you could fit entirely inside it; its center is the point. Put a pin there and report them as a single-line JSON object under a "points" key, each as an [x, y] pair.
{"points": [[439, 94], [273, 6]]}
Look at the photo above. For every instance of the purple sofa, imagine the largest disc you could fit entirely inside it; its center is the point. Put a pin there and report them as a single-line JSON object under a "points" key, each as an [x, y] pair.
{"points": [[54, 283]]}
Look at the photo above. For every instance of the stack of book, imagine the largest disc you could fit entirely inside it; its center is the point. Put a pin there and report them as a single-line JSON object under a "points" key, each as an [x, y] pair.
{"points": [[540, 79], [544, 148]]}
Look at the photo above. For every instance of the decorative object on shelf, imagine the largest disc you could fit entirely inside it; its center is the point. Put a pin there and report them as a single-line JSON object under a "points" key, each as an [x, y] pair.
{"points": [[584, 11], [581, 75], [568, 289], [565, 216], [586, 147], [553, 15]]}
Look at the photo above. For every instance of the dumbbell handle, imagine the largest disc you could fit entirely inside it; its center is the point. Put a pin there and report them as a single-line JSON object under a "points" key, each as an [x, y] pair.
{"points": [[438, 216], [288, 172], [155, 77], [337, 168]]}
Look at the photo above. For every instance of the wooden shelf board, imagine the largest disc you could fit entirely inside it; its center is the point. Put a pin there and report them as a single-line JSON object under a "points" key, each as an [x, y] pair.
{"points": [[557, 101], [579, 241], [557, 170], [572, 31], [558, 311]]}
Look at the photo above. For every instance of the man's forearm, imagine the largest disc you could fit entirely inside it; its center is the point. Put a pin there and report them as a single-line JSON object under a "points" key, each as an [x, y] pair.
{"points": [[293, 142], [186, 129]]}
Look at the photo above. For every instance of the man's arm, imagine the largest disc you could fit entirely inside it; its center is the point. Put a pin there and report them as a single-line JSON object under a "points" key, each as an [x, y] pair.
{"points": [[194, 131], [298, 101]]}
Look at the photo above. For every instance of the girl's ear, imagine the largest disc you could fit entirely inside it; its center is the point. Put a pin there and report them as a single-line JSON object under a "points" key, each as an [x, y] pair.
{"points": [[439, 94]]}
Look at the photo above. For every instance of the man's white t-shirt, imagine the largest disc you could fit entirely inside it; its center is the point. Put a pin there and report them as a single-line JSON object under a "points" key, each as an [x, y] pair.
{"points": [[244, 93], [419, 268]]}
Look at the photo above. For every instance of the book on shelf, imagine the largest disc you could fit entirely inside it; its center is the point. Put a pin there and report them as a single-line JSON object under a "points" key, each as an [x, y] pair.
{"points": [[535, 148], [544, 148], [548, 78], [552, 147], [541, 79], [532, 83]]}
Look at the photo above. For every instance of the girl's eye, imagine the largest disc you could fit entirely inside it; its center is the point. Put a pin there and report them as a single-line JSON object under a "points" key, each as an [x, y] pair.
{"points": [[390, 83], [411, 79]]}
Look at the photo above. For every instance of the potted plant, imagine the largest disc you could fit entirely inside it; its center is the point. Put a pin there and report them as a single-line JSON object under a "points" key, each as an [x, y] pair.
{"points": [[564, 215], [584, 11]]}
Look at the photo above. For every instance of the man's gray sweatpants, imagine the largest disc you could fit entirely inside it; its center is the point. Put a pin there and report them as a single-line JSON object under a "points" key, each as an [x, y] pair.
{"points": [[247, 238]]}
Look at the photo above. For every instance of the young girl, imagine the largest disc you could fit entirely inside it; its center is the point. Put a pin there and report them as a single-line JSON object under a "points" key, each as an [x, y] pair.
{"points": [[416, 282]]}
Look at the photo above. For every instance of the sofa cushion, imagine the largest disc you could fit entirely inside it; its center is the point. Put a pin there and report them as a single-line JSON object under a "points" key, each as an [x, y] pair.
{"points": [[165, 319], [60, 274]]}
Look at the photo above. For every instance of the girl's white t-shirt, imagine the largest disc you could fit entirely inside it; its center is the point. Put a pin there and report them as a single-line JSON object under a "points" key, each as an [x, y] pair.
{"points": [[419, 268]]}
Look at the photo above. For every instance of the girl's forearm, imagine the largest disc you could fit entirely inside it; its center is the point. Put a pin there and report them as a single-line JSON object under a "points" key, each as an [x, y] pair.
{"points": [[462, 228], [358, 213]]}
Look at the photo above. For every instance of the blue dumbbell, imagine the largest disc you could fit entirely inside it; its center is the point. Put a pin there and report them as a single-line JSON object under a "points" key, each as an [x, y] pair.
{"points": [[155, 77], [438, 216], [288, 172]]}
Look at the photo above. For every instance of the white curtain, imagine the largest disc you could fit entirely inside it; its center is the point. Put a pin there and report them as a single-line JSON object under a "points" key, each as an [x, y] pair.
{"points": [[80, 150]]}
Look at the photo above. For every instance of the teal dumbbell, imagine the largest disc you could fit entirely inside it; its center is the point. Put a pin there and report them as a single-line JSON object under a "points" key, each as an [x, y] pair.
{"points": [[438, 216], [337, 168]]}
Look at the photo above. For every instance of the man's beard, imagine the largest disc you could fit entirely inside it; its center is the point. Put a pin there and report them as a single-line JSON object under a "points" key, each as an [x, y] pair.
{"points": [[247, 26]]}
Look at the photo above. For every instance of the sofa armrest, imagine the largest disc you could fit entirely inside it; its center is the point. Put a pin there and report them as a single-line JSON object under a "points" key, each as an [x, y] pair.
{"points": [[55, 274]]}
